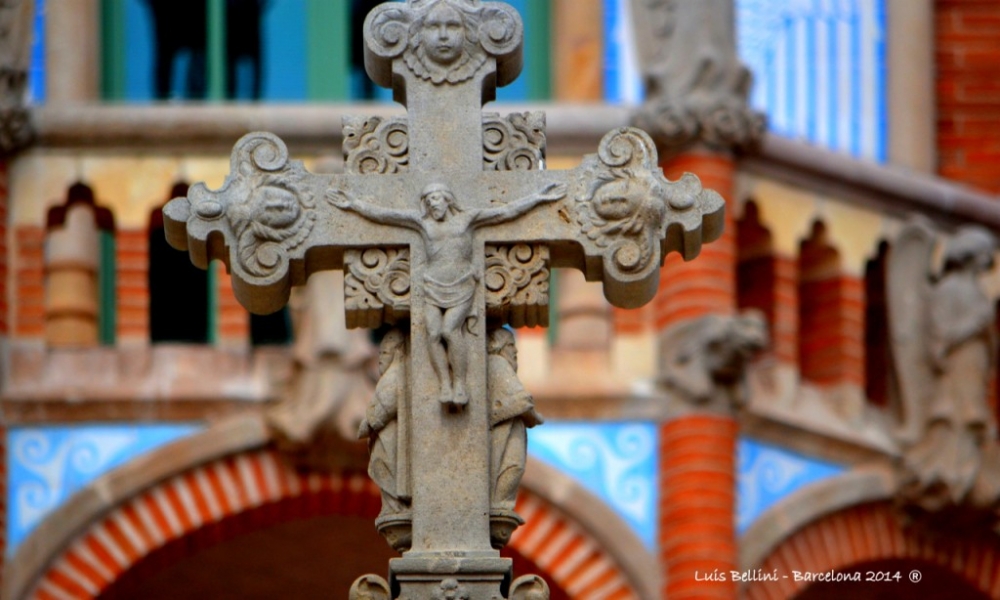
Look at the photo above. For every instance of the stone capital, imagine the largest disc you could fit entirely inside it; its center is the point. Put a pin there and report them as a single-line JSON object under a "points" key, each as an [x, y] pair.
{"points": [[697, 88]]}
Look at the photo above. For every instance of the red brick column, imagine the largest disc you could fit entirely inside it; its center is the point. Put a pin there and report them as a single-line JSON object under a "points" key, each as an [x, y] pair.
{"points": [[785, 326], [967, 49], [706, 285], [697, 506], [132, 284], [697, 452], [29, 282], [234, 320]]}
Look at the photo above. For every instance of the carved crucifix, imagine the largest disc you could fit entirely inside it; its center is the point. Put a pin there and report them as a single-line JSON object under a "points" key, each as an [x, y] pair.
{"points": [[446, 225]]}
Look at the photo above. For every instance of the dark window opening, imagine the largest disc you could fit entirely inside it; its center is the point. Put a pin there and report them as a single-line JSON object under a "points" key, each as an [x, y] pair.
{"points": [[178, 290], [755, 279], [271, 330], [877, 329]]}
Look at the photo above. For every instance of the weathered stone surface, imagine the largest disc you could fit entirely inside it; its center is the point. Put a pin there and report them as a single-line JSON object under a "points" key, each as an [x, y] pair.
{"points": [[697, 87], [15, 47], [703, 361], [943, 352], [445, 224]]}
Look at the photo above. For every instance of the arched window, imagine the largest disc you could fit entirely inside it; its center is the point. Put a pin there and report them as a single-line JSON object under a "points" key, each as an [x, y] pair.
{"points": [[80, 272], [877, 329], [755, 281], [178, 290], [819, 309]]}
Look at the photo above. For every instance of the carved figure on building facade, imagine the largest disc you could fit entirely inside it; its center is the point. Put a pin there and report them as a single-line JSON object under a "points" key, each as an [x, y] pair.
{"points": [[15, 50], [943, 349], [449, 281], [512, 413], [703, 361], [316, 422], [697, 88]]}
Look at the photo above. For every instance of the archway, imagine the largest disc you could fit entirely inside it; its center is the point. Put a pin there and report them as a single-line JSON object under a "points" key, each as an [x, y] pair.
{"points": [[869, 536], [141, 522]]}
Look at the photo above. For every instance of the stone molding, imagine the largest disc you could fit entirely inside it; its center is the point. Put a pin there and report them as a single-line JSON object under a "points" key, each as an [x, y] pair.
{"points": [[571, 129]]}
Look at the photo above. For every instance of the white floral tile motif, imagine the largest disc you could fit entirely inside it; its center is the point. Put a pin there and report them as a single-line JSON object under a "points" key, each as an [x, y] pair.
{"points": [[766, 474], [46, 465], [617, 462]]}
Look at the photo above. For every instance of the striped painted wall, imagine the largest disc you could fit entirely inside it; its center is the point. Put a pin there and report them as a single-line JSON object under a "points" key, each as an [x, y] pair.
{"points": [[819, 68]]}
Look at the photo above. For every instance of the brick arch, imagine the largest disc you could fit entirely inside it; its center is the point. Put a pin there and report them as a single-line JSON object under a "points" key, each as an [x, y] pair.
{"points": [[181, 505], [868, 533], [568, 554], [575, 553]]}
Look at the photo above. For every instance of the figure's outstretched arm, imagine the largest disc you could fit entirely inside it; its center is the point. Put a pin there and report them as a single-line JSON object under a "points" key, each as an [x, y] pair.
{"points": [[512, 210], [373, 212]]}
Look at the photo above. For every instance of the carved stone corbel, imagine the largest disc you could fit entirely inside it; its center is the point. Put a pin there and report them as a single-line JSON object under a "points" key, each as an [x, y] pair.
{"points": [[696, 86], [703, 361]]}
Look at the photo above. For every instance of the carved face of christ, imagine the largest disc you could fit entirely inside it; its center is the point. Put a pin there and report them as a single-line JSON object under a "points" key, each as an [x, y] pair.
{"points": [[443, 34]]}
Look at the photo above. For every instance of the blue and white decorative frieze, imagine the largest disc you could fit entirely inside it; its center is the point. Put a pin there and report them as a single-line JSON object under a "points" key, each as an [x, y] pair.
{"points": [[617, 462], [46, 465], [766, 474], [819, 70]]}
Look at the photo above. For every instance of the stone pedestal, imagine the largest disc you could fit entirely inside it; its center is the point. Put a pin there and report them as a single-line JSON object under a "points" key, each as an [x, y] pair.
{"points": [[466, 576]]}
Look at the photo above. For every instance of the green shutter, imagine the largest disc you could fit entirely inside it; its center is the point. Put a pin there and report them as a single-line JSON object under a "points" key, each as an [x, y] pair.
{"points": [[106, 320], [216, 51], [113, 49], [328, 50], [212, 323], [537, 45]]}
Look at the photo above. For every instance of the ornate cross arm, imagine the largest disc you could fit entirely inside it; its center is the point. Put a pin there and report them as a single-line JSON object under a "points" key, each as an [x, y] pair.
{"points": [[256, 223], [630, 216]]}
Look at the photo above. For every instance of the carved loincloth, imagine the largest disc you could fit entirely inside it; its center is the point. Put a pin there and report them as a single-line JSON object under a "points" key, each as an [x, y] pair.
{"points": [[450, 294]]}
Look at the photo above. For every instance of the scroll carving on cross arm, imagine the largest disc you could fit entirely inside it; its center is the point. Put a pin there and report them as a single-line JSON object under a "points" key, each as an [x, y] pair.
{"points": [[943, 351], [515, 142], [517, 284], [374, 145], [632, 216], [376, 286], [263, 213]]}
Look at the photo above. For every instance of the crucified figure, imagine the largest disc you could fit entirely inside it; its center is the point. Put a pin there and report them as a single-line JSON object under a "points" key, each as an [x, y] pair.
{"points": [[449, 279]]}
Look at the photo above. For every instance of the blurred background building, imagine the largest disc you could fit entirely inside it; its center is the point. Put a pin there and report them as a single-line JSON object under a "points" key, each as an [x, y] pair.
{"points": [[139, 460]]}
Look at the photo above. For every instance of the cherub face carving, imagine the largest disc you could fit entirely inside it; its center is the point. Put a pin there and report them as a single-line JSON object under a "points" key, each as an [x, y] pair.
{"points": [[276, 207], [443, 34], [444, 44]]}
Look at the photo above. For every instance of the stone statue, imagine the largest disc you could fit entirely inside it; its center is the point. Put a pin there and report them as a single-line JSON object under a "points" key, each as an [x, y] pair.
{"points": [[478, 233], [317, 419], [703, 361], [943, 349], [697, 87], [450, 280], [512, 413], [388, 458]]}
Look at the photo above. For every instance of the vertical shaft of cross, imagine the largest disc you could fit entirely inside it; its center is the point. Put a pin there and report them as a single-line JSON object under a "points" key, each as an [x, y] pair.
{"points": [[450, 461], [450, 137]]}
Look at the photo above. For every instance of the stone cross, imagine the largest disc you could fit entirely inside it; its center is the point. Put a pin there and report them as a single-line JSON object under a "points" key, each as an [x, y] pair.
{"points": [[446, 225]]}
